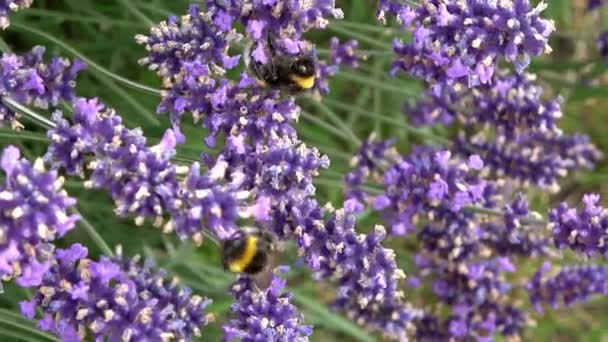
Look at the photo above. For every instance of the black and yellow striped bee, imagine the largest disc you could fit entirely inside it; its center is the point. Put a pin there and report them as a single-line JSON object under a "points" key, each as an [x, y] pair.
{"points": [[250, 251], [293, 74]]}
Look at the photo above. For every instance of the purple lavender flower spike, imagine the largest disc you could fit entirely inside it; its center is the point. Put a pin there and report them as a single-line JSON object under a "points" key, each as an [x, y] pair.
{"points": [[34, 212], [365, 271], [462, 41], [339, 54], [428, 182], [511, 236], [30, 81], [8, 6], [592, 5], [114, 299], [264, 315], [142, 180], [571, 285], [602, 44], [583, 231]]}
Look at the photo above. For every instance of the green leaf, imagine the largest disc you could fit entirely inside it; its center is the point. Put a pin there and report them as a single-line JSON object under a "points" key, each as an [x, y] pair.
{"points": [[24, 326], [322, 316]]}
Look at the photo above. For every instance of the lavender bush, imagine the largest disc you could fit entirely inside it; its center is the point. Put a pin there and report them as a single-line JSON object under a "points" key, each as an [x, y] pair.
{"points": [[436, 183]]}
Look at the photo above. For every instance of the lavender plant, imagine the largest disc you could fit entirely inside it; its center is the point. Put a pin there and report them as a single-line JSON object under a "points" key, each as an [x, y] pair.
{"points": [[458, 194]]}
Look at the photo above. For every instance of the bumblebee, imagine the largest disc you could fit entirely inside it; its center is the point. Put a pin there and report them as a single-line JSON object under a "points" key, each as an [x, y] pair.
{"points": [[291, 73], [250, 251]]}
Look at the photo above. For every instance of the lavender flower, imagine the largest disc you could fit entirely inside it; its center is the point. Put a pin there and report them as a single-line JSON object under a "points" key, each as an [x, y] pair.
{"points": [[8, 6], [33, 213], [339, 54], [114, 299], [264, 315], [583, 232], [512, 103], [365, 271], [287, 20], [141, 179], [592, 5], [463, 40], [602, 44], [571, 285], [367, 163], [30, 81], [476, 293], [514, 235], [510, 127], [427, 182]]}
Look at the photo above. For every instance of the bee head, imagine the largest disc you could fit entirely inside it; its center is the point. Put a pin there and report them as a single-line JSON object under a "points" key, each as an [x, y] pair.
{"points": [[304, 67]]}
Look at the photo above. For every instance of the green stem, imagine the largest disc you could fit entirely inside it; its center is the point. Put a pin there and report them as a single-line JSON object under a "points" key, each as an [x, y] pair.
{"points": [[12, 319], [137, 13], [37, 12], [319, 122], [29, 113], [499, 213], [361, 37], [370, 82], [87, 60], [337, 121], [22, 135], [376, 29], [94, 235], [388, 119]]}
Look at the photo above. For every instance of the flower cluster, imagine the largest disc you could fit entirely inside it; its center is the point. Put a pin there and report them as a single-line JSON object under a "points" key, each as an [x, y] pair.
{"points": [[114, 299], [367, 163], [594, 4], [8, 6], [142, 180], [602, 44], [264, 315], [190, 53], [339, 54], [33, 212], [512, 103], [476, 295], [568, 286], [584, 231], [517, 132], [456, 41], [520, 232], [29, 80], [286, 20], [427, 183]]}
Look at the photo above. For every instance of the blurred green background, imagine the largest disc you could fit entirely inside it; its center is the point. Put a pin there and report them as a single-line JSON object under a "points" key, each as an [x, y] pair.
{"points": [[367, 100]]}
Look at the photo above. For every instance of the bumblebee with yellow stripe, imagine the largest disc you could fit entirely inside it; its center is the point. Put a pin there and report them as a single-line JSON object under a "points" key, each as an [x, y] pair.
{"points": [[293, 74], [250, 251]]}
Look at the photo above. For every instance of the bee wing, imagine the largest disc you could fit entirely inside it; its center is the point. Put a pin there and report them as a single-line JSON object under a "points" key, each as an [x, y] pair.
{"points": [[263, 279]]}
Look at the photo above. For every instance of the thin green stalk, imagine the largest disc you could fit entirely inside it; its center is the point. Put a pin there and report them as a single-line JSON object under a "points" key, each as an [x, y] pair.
{"points": [[160, 11], [87, 60], [377, 96], [361, 37], [319, 122], [370, 82], [129, 4], [18, 322], [29, 113], [388, 119], [337, 121], [377, 29], [499, 213], [22, 135], [4, 47], [38, 12], [94, 235]]}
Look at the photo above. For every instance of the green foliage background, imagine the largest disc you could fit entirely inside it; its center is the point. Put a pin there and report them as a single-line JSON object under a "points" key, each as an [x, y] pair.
{"points": [[366, 100]]}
